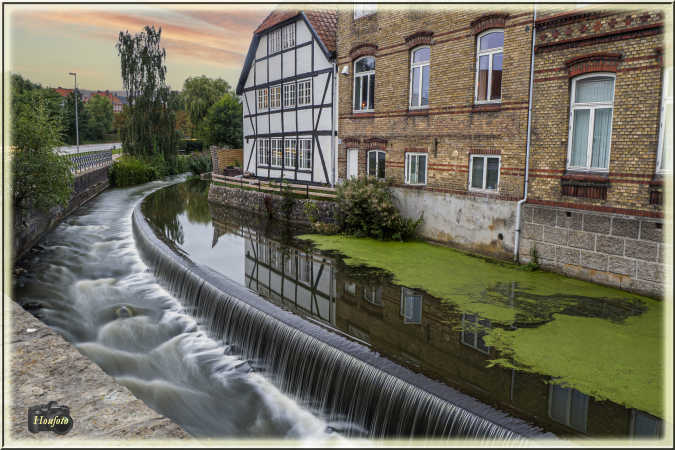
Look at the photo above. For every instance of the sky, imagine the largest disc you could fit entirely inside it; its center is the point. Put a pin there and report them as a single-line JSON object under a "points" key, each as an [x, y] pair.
{"points": [[45, 42]]}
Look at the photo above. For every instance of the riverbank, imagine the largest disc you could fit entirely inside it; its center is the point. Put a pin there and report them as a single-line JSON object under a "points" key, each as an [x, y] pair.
{"points": [[44, 367]]}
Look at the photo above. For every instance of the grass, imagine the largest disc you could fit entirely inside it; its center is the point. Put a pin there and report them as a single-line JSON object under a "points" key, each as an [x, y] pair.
{"points": [[617, 358]]}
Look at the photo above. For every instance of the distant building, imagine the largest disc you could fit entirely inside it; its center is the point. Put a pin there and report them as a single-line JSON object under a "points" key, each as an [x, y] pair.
{"points": [[117, 102]]}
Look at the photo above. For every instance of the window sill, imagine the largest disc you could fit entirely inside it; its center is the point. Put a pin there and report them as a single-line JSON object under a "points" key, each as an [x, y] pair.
{"points": [[363, 111], [418, 111], [486, 107], [494, 192]]}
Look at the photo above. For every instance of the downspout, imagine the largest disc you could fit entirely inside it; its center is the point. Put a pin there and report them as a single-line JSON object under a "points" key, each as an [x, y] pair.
{"points": [[516, 245], [333, 122]]}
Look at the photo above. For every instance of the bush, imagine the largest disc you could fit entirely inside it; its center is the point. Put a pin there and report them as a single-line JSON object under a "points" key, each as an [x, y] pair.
{"points": [[199, 163], [130, 171], [191, 145], [365, 208]]}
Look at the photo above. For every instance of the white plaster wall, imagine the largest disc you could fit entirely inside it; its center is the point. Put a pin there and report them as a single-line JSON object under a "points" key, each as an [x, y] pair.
{"points": [[275, 68], [261, 51], [304, 59], [302, 32], [289, 121], [261, 72], [289, 63]]}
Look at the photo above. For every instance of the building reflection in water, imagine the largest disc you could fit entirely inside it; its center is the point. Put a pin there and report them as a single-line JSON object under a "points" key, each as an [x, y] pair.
{"points": [[424, 334]]}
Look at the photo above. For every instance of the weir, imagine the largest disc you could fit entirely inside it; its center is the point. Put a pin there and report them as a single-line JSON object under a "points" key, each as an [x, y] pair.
{"points": [[342, 380]]}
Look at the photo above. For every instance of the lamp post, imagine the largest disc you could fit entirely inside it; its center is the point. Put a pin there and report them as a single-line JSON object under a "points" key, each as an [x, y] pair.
{"points": [[77, 130]]}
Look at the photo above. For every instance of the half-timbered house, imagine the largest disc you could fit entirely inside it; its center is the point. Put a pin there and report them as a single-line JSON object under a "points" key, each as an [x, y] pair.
{"points": [[287, 87]]}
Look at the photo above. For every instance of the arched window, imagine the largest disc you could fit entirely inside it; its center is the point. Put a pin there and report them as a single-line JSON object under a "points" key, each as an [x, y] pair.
{"points": [[376, 163], [489, 58], [364, 84], [592, 103], [419, 77]]}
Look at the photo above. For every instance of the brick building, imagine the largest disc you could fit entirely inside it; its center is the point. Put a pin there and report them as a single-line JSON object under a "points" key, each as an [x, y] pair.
{"points": [[414, 107], [601, 147]]}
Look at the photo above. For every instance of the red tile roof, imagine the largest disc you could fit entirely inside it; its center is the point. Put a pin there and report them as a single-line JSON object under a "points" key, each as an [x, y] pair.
{"points": [[63, 92], [323, 21]]}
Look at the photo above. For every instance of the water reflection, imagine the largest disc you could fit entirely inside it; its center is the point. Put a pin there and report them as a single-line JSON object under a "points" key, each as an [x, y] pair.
{"points": [[406, 325]]}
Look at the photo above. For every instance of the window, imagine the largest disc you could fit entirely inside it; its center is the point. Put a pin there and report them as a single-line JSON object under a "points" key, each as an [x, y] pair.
{"points": [[415, 168], [290, 153], [364, 9], [484, 173], [276, 152], [591, 122], [288, 36], [364, 84], [376, 163], [664, 163], [568, 406], [645, 425], [411, 306], [289, 95], [290, 264], [275, 41], [304, 92], [490, 54], [263, 152], [262, 99], [350, 288], [305, 267], [373, 295], [419, 77], [275, 97], [472, 334], [305, 153]]}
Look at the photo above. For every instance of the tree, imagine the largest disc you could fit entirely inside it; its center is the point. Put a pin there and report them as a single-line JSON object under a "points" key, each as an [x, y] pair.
{"points": [[223, 122], [68, 119], [100, 112], [42, 178], [25, 93], [149, 125], [199, 94]]}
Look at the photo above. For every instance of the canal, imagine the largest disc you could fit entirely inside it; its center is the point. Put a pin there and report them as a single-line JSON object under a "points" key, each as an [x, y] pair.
{"points": [[89, 281]]}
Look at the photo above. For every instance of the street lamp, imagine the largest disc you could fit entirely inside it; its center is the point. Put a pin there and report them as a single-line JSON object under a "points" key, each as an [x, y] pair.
{"points": [[77, 130]]}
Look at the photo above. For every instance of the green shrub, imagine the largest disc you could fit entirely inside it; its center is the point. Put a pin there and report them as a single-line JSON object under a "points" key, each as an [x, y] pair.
{"points": [[130, 171], [191, 145], [199, 163], [365, 208]]}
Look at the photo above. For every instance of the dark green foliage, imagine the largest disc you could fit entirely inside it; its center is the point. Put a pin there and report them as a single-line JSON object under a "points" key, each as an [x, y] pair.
{"points": [[199, 93], [100, 112], [366, 209], [41, 178], [199, 163], [69, 129], [130, 171], [24, 96], [287, 201], [191, 145], [149, 129], [222, 125]]}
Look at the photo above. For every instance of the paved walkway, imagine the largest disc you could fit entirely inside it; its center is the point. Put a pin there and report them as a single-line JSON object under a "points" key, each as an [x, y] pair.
{"points": [[44, 367], [67, 150]]}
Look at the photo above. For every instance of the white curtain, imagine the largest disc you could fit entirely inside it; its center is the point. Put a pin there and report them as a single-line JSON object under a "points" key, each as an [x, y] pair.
{"points": [[601, 133], [580, 137], [595, 90]]}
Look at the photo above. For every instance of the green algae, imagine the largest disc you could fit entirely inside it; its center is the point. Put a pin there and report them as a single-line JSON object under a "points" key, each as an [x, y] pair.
{"points": [[601, 341]]}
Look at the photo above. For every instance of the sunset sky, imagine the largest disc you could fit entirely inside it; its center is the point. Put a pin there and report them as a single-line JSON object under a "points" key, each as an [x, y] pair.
{"points": [[45, 42]]}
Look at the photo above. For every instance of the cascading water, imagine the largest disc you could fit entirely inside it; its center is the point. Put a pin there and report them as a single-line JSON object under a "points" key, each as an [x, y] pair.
{"points": [[356, 391]]}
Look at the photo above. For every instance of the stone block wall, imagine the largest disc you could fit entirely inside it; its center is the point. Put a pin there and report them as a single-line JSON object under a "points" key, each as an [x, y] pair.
{"points": [[627, 252]]}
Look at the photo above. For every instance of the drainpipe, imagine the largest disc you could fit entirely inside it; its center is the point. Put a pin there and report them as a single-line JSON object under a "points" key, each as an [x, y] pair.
{"points": [[516, 245], [333, 122]]}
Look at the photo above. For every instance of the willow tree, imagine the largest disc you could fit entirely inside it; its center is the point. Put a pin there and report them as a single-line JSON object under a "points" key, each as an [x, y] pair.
{"points": [[148, 129]]}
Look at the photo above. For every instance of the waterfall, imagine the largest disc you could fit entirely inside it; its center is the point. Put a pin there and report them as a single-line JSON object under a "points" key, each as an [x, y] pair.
{"points": [[342, 380]]}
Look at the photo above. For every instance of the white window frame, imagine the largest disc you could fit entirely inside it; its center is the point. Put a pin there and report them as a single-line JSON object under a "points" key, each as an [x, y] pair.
{"points": [[290, 152], [304, 91], [263, 99], [569, 408], [490, 52], [484, 181], [288, 36], [275, 41], [289, 94], [365, 74], [350, 288], [377, 162], [364, 9], [273, 155], [373, 295], [304, 163], [275, 97], [591, 123], [407, 168], [410, 293], [665, 100], [476, 324], [419, 65], [634, 413], [263, 152]]}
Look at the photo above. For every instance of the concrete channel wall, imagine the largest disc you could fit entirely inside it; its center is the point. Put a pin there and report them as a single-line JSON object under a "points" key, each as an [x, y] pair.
{"points": [[45, 367], [616, 250]]}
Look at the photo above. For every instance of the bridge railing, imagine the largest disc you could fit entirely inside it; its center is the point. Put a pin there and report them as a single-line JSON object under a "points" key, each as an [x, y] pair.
{"points": [[91, 160]]}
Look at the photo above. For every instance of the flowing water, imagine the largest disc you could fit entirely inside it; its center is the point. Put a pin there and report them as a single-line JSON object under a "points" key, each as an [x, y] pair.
{"points": [[293, 343]]}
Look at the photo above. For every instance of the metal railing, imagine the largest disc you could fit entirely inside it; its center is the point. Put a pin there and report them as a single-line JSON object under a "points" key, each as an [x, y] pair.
{"points": [[91, 160], [274, 186]]}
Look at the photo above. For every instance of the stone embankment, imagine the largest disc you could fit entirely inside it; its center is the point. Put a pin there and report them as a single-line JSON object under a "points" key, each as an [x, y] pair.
{"points": [[44, 367]]}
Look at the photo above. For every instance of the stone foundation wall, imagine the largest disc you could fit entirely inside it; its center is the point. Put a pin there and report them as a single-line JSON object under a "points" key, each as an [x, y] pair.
{"points": [[30, 225], [263, 202], [616, 250]]}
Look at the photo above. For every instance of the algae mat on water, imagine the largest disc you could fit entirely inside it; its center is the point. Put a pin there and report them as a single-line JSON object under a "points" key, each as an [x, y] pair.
{"points": [[602, 341]]}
